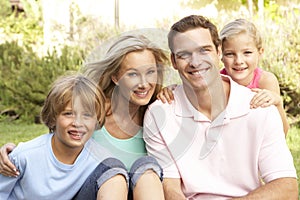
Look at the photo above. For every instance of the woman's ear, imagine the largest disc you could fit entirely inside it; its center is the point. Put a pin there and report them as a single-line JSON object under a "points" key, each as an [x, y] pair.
{"points": [[114, 79]]}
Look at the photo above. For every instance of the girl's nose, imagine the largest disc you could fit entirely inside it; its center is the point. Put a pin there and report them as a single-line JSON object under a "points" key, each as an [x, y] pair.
{"points": [[239, 59]]}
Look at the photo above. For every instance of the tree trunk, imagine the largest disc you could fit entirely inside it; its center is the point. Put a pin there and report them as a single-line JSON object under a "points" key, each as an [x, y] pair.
{"points": [[250, 7]]}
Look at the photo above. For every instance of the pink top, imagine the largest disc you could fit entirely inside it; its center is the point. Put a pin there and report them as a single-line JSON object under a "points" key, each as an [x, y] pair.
{"points": [[254, 83], [222, 158]]}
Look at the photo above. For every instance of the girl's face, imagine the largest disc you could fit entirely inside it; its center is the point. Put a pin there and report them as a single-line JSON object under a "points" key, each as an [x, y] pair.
{"points": [[74, 127], [241, 57], [137, 77]]}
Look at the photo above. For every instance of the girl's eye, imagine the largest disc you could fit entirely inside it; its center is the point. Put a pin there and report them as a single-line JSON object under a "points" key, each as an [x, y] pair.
{"points": [[228, 54], [248, 52]]}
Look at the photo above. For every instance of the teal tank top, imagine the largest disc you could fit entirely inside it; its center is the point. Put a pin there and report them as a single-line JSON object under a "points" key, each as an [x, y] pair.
{"points": [[126, 150]]}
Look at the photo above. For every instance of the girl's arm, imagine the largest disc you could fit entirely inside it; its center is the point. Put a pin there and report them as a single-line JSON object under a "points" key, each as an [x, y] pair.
{"points": [[166, 94], [269, 94]]}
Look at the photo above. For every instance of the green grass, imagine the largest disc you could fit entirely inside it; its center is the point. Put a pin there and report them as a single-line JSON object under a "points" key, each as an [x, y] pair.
{"points": [[16, 132]]}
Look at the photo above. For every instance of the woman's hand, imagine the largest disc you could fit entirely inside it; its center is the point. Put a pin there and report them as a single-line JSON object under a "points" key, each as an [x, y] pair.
{"points": [[6, 166]]}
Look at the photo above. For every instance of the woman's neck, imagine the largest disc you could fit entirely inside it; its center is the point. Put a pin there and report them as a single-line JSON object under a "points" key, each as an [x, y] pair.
{"points": [[125, 119]]}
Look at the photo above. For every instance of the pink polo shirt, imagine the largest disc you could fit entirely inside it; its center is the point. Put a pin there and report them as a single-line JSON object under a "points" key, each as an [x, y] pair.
{"points": [[221, 158]]}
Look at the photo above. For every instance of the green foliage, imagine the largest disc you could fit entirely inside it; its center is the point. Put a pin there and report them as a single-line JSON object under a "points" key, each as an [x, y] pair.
{"points": [[5, 8], [282, 47], [26, 77]]}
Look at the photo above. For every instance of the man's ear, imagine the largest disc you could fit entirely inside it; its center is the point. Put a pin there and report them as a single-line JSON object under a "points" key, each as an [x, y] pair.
{"points": [[219, 51], [114, 79], [173, 61]]}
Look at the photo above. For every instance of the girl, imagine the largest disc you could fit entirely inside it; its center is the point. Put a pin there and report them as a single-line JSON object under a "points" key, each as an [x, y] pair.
{"points": [[242, 50]]}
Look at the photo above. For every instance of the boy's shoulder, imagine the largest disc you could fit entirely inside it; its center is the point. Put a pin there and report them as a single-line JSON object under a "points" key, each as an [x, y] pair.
{"points": [[33, 144]]}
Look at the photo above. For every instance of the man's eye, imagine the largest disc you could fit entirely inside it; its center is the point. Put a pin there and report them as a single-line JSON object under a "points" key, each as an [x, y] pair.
{"points": [[183, 55], [204, 50]]}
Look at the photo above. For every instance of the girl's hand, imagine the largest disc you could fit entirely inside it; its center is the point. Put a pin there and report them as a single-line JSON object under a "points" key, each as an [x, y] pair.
{"points": [[6, 167], [264, 98], [166, 94]]}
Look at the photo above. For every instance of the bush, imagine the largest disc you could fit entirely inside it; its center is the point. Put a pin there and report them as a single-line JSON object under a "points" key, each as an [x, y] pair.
{"points": [[282, 47], [25, 77]]}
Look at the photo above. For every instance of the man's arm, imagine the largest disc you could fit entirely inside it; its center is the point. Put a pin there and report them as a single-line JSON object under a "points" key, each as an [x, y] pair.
{"points": [[172, 189], [282, 188]]}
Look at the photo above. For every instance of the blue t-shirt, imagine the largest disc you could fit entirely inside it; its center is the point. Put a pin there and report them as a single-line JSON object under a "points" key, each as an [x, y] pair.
{"points": [[42, 176], [126, 150]]}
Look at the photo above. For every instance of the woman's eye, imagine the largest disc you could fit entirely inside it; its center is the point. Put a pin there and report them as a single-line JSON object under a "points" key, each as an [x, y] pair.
{"points": [[151, 71], [132, 74]]}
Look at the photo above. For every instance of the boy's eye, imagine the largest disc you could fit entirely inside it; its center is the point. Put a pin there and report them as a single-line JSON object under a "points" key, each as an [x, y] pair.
{"points": [[68, 113], [88, 114]]}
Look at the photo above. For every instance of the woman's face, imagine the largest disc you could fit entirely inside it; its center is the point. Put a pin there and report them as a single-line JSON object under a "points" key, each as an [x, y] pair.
{"points": [[137, 77]]}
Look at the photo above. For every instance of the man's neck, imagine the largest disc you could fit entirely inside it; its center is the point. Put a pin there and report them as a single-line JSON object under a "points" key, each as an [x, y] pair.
{"points": [[210, 101]]}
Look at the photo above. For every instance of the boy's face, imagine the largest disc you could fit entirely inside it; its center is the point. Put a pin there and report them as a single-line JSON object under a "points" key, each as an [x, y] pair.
{"points": [[195, 57], [240, 58], [74, 126]]}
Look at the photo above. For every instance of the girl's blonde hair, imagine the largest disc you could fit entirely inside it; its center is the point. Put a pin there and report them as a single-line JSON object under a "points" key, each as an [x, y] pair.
{"points": [[241, 26]]}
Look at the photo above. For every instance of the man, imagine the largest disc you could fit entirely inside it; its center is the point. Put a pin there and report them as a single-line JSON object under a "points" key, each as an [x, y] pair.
{"points": [[209, 142]]}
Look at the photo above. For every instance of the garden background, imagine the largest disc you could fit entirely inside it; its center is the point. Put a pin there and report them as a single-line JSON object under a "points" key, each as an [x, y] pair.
{"points": [[41, 40]]}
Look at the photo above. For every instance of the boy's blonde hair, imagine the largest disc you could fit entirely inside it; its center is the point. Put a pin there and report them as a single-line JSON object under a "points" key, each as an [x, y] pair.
{"points": [[241, 26], [64, 90]]}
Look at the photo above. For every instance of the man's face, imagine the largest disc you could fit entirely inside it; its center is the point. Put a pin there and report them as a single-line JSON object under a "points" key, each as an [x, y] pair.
{"points": [[196, 58]]}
